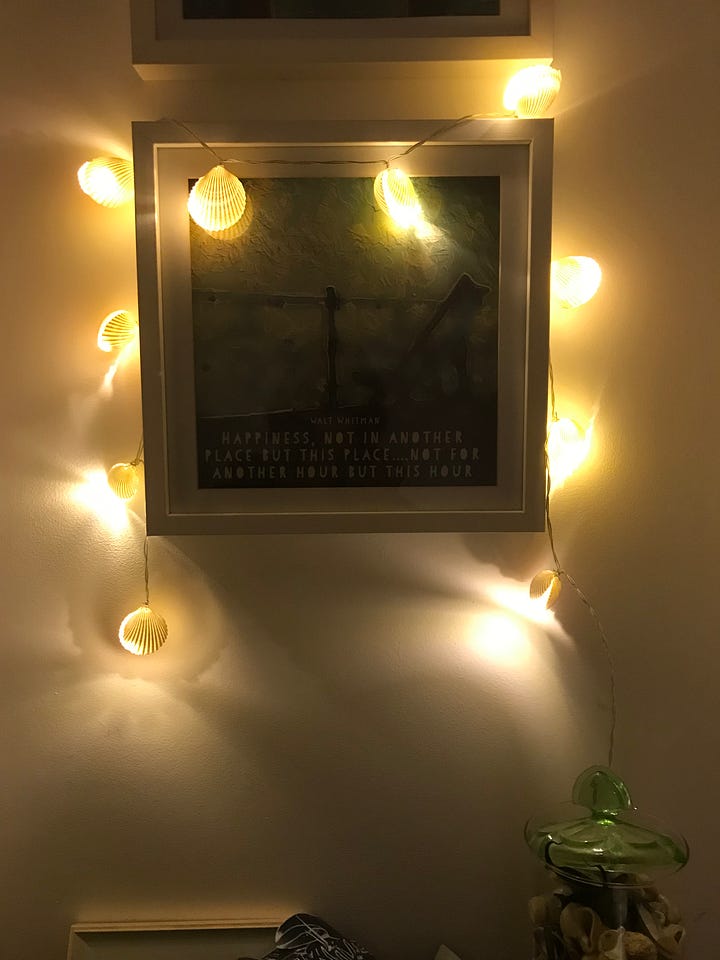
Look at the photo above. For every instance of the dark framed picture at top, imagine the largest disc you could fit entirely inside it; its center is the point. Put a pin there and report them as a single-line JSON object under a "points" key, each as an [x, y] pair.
{"points": [[331, 9], [327, 364], [196, 37]]}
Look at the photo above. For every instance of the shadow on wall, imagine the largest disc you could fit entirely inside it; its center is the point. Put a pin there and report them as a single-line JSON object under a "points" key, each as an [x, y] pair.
{"points": [[322, 729]]}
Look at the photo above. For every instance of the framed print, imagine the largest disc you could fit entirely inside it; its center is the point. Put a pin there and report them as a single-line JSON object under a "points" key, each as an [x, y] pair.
{"points": [[318, 368], [172, 940], [195, 37], [331, 10]]}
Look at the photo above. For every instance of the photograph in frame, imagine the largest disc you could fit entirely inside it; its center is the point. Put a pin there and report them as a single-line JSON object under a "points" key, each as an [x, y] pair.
{"points": [[333, 348], [317, 337], [172, 39]]}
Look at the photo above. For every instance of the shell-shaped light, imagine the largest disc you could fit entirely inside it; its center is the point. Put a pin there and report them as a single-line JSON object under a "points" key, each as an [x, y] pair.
{"points": [[531, 91], [217, 201], [568, 444], [108, 180], [124, 480], [545, 588], [117, 330], [396, 197], [575, 280], [143, 631]]}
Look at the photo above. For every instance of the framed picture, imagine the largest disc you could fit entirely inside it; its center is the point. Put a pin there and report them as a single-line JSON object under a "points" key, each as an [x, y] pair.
{"points": [[174, 940], [191, 37], [318, 368]]}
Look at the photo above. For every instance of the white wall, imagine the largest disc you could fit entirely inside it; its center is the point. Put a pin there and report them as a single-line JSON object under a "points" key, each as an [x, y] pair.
{"points": [[324, 730]]}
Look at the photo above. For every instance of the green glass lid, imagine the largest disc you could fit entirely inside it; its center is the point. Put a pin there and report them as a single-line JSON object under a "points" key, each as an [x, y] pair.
{"points": [[601, 838]]}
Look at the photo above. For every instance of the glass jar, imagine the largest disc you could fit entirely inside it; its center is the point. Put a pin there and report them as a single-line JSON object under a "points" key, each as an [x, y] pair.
{"points": [[604, 858]]}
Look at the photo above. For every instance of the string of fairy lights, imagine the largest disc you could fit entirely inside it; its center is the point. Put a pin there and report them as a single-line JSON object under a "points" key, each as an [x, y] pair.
{"points": [[217, 203]]}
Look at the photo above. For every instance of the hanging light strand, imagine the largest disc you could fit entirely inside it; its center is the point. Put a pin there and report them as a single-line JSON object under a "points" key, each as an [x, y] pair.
{"points": [[446, 129], [143, 631], [562, 574], [283, 161], [124, 477], [528, 83], [551, 381], [140, 451], [217, 200], [147, 571]]}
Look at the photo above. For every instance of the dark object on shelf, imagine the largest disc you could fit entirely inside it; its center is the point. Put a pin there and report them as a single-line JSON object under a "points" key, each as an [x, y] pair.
{"points": [[304, 937]]}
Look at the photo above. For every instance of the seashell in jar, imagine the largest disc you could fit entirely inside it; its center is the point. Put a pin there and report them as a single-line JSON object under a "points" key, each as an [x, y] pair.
{"points": [[656, 919], [544, 911], [537, 908], [670, 942], [610, 946], [581, 928], [647, 889], [670, 911], [540, 951], [651, 920], [638, 946]]}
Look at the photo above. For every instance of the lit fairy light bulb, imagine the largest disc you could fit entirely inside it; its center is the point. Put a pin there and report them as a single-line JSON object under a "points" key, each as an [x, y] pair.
{"points": [[545, 588], [531, 91], [117, 330], [94, 494], [574, 280], [124, 479], [107, 180], [143, 631], [568, 444], [217, 201], [396, 197]]}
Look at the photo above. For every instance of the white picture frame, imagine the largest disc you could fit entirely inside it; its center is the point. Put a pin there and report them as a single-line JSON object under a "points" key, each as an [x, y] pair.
{"points": [[166, 157], [166, 45], [172, 940]]}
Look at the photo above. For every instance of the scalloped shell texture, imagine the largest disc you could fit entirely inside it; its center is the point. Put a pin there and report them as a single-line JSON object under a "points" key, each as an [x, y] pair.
{"points": [[107, 180], [396, 197], [531, 91], [117, 330], [217, 201], [143, 632], [546, 584], [575, 280], [124, 480]]}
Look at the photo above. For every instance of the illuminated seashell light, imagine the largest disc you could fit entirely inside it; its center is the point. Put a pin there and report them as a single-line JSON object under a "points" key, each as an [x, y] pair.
{"points": [[143, 632], [567, 446], [545, 588], [124, 480], [117, 330], [396, 197], [531, 91], [217, 201], [575, 280], [108, 180]]}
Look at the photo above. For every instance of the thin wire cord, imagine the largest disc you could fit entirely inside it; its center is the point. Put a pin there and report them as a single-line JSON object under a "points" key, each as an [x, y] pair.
{"points": [[585, 600], [551, 375], [187, 129], [563, 574], [147, 572], [330, 163], [280, 162], [446, 129], [140, 451]]}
